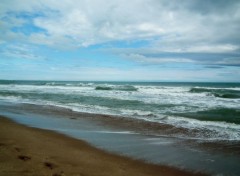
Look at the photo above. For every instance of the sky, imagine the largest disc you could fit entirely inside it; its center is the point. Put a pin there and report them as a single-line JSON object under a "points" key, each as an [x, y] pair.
{"points": [[120, 40]]}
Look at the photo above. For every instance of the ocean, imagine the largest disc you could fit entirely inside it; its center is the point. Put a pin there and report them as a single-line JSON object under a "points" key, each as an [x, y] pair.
{"points": [[207, 111], [192, 126]]}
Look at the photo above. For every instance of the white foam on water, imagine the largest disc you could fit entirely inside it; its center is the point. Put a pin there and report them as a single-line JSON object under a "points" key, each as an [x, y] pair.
{"points": [[145, 94], [180, 97], [217, 130], [11, 98], [159, 141], [218, 88], [116, 132]]}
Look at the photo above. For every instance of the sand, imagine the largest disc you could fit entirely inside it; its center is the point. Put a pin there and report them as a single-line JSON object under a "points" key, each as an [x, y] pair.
{"points": [[26, 151]]}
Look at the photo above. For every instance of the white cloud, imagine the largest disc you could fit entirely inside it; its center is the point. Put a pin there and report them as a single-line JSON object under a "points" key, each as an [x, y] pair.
{"points": [[212, 56], [156, 60], [20, 52], [201, 48], [214, 49], [173, 24]]}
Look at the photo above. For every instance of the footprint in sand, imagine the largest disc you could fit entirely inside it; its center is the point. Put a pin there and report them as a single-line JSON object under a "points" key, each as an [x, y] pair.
{"points": [[50, 165], [24, 157], [2, 144]]}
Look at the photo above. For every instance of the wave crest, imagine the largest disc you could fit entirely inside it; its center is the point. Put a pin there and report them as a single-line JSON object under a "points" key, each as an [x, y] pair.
{"points": [[220, 93], [119, 88]]}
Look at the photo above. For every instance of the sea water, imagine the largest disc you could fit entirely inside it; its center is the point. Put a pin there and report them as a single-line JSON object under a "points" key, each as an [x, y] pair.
{"points": [[193, 126], [211, 110]]}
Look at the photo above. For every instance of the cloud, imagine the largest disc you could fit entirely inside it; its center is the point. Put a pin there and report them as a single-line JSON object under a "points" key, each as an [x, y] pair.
{"points": [[173, 24], [221, 48], [20, 51], [200, 56], [194, 32], [156, 60]]}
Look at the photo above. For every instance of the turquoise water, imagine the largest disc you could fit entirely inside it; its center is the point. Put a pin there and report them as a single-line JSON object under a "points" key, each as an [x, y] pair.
{"points": [[207, 106]]}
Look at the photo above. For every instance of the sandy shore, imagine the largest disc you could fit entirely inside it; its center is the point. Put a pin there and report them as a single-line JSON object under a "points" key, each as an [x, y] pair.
{"points": [[30, 151]]}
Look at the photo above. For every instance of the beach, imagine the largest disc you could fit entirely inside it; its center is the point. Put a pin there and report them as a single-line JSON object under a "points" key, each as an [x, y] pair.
{"points": [[192, 127], [128, 88], [31, 151]]}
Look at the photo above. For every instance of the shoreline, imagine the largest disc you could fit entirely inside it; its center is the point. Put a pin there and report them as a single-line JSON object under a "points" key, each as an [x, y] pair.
{"points": [[32, 151]]}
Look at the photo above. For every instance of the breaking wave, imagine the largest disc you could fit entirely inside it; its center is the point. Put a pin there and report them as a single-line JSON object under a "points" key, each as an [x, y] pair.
{"points": [[221, 93], [118, 88], [184, 105]]}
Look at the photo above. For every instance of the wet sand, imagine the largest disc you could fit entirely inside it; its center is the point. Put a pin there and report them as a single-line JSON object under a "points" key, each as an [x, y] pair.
{"points": [[31, 151]]}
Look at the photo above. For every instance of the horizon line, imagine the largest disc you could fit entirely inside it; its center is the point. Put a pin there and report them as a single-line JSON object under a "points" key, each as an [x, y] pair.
{"points": [[147, 81]]}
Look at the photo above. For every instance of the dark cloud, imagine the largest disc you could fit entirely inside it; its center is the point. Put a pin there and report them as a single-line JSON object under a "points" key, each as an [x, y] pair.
{"points": [[219, 7], [214, 67], [210, 60]]}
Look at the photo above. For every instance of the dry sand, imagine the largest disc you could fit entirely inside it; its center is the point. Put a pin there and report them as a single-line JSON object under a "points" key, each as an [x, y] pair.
{"points": [[30, 151]]}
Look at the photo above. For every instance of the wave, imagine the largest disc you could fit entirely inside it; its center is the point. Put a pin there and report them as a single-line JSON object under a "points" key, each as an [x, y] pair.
{"points": [[46, 83], [119, 88], [103, 88], [168, 126], [220, 93], [227, 95], [189, 126], [203, 130], [229, 115], [177, 105]]}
